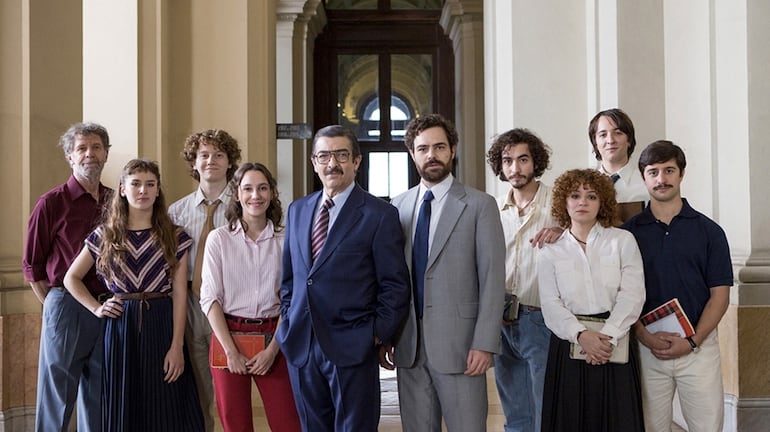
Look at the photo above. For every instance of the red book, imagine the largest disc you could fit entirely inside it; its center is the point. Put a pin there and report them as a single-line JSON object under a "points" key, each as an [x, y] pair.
{"points": [[668, 317], [248, 343]]}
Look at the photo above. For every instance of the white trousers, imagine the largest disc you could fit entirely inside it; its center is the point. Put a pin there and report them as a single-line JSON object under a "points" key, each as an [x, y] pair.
{"points": [[697, 377]]}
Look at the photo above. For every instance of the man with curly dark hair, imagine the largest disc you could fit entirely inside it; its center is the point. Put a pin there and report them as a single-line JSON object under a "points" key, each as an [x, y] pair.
{"points": [[519, 157], [213, 156]]}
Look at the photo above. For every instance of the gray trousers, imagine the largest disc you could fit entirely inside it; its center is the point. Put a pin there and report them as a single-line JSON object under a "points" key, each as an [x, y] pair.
{"points": [[426, 395], [70, 367]]}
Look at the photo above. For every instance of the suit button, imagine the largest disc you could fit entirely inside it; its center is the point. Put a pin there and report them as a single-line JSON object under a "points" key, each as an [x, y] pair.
{"points": [[310, 282]]}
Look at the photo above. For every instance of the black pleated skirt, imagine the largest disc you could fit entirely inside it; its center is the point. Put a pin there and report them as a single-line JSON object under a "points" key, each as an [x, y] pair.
{"points": [[135, 396], [581, 397]]}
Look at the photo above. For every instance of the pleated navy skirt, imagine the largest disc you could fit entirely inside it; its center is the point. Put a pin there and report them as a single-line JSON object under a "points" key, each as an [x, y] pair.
{"points": [[135, 396], [579, 397]]}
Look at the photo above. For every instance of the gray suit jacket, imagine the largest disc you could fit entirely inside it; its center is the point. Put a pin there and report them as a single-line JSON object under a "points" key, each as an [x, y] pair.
{"points": [[464, 280]]}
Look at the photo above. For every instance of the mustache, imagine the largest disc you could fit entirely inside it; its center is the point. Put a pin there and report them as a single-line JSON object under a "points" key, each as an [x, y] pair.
{"points": [[333, 170], [661, 186]]}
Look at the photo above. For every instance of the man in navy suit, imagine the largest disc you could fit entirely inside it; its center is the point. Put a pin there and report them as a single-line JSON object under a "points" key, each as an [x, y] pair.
{"points": [[345, 291]]}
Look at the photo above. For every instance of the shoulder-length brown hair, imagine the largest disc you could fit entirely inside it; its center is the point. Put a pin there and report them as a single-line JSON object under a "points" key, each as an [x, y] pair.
{"points": [[234, 212], [571, 181], [113, 247]]}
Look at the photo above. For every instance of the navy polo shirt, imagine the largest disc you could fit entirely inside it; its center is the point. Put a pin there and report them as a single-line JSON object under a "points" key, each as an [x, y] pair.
{"points": [[684, 259]]}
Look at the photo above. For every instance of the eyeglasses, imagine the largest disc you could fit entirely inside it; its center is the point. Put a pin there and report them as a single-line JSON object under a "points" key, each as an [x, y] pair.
{"points": [[323, 157]]}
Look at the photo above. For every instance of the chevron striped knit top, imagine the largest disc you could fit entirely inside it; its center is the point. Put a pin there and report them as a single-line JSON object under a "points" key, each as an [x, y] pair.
{"points": [[145, 269]]}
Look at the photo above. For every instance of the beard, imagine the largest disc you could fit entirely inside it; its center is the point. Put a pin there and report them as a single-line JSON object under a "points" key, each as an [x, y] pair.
{"points": [[434, 174], [527, 179], [92, 173]]}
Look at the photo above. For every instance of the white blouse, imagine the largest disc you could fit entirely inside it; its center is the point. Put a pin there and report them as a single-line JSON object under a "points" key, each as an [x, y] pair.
{"points": [[607, 277]]}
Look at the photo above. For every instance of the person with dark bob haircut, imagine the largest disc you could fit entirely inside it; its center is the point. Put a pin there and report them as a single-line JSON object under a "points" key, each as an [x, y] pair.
{"points": [[613, 140], [593, 273]]}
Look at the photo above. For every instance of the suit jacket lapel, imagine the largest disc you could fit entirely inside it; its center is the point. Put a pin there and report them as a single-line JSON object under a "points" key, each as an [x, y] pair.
{"points": [[406, 214], [346, 220], [307, 214], [450, 214]]}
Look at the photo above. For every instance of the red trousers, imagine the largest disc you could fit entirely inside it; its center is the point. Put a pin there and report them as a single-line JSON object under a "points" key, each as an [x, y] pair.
{"points": [[233, 392]]}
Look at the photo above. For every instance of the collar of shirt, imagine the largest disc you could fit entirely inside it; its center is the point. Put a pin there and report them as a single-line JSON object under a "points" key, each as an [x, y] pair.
{"points": [[537, 201], [339, 201], [439, 191], [267, 233], [646, 216], [625, 173], [200, 198], [76, 190]]}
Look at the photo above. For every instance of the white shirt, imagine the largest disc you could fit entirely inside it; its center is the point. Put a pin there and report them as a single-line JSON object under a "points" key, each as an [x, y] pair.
{"points": [[630, 186], [439, 191], [241, 274], [520, 256], [190, 213], [607, 277]]}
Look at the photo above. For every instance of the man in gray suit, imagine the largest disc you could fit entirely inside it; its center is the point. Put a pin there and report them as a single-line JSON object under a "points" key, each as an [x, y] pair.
{"points": [[445, 347]]}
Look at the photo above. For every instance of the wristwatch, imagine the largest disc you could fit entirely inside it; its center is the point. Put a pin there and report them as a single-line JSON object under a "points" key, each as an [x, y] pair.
{"points": [[693, 345]]}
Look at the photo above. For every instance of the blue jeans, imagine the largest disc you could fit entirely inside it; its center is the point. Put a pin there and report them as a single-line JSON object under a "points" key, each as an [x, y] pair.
{"points": [[520, 371]]}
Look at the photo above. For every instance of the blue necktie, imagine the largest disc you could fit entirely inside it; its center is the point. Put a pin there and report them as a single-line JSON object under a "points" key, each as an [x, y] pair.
{"points": [[420, 251]]}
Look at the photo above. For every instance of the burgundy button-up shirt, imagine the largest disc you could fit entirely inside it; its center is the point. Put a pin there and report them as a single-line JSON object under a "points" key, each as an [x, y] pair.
{"points": [[62, 219]]}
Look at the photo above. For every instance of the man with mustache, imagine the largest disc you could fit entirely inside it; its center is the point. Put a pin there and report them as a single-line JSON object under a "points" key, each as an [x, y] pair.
{"points": [[71, 340], [519, 157], [686, 256], [454, 245], [613, 140], [344, 291]]}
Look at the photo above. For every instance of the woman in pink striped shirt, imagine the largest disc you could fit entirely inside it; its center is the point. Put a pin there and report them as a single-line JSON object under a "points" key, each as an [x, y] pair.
{"points": [[240, 293]]}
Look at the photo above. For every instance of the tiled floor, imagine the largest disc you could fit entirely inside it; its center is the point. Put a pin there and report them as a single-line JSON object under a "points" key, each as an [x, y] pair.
{"points": [[390, 420]]}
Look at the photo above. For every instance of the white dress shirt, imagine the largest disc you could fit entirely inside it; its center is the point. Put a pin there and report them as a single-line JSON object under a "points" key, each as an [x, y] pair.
{"points": [[607, 277], [241, 274], [436, 206], [630, 186], [520, 256]]}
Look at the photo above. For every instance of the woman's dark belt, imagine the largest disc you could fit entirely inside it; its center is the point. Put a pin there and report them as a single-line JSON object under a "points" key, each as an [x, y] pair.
{"points": [[257, 321], [142, 297]]}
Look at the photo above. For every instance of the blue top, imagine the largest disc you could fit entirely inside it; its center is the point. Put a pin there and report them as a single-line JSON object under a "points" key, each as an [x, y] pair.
{"points": [[684, 259]]}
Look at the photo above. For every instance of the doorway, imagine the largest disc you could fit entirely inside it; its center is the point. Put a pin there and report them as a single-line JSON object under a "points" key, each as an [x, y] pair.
{"points": [[375, 70]]}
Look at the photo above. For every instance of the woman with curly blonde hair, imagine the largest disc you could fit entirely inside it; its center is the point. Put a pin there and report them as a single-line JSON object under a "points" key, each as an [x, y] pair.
{"points": [[593, 272], [142, 259]]}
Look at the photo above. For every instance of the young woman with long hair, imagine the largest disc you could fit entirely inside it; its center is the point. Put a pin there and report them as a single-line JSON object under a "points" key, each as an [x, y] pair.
{"points": [[142, 259], [240, 293]]}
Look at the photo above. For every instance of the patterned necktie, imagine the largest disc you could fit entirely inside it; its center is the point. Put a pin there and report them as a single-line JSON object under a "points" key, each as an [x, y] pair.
{"points": [[321, 228], [615, 177], [200, 250], [420, 251]]}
